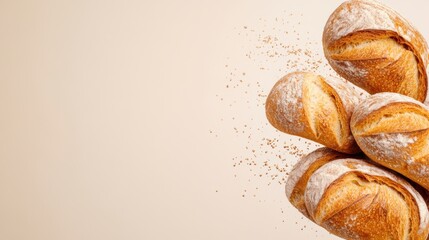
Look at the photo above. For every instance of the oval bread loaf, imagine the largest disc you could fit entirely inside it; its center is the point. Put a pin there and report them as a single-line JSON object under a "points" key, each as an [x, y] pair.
{"points": [[393, 130], [375, 48], [354, 199], [310, 106]]}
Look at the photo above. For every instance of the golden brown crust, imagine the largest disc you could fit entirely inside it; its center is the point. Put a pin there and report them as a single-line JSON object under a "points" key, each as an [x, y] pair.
{"points": [[307, 105], [356, 200], [393, 130], [303, 170], [372, 46], [365, 209]]}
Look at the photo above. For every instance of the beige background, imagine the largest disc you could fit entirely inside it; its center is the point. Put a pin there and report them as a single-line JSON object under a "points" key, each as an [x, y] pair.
{"points": [[106, 108]]}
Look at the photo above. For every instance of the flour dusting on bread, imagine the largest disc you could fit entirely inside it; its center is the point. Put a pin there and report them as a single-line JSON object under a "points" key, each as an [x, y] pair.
{"points": [[352, 70], [321, 179], [289, 104], [304, 164], [389, 147], [301, 167], [360, 15], [378, 101]]}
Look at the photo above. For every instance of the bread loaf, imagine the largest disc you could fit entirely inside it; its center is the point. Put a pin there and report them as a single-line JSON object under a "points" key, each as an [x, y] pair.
{"points": [[310, 106], [301, 172], [354, 199], [393, 130], [375, 48]]}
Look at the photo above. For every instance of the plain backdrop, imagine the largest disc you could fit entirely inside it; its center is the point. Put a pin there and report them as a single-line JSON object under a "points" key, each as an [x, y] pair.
{"points": [[106, 108]]}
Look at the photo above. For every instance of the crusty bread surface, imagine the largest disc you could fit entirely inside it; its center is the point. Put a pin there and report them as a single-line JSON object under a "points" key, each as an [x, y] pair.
{"points": [[303, 169], [355, 199], [393, 130], [375, 48], [307, 105]]}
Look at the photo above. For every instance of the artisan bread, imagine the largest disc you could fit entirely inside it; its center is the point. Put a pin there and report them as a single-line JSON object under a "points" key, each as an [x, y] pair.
{"points": [[301, 172], [393, 130], [354, 199], [375, 48], [307, 105]]}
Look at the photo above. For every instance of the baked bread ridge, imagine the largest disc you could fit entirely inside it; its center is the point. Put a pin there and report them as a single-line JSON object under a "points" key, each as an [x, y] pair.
{"points": [[307, 105], [374, 47], [393, 130], [301, 172], [354, 199], [378, 101]]}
